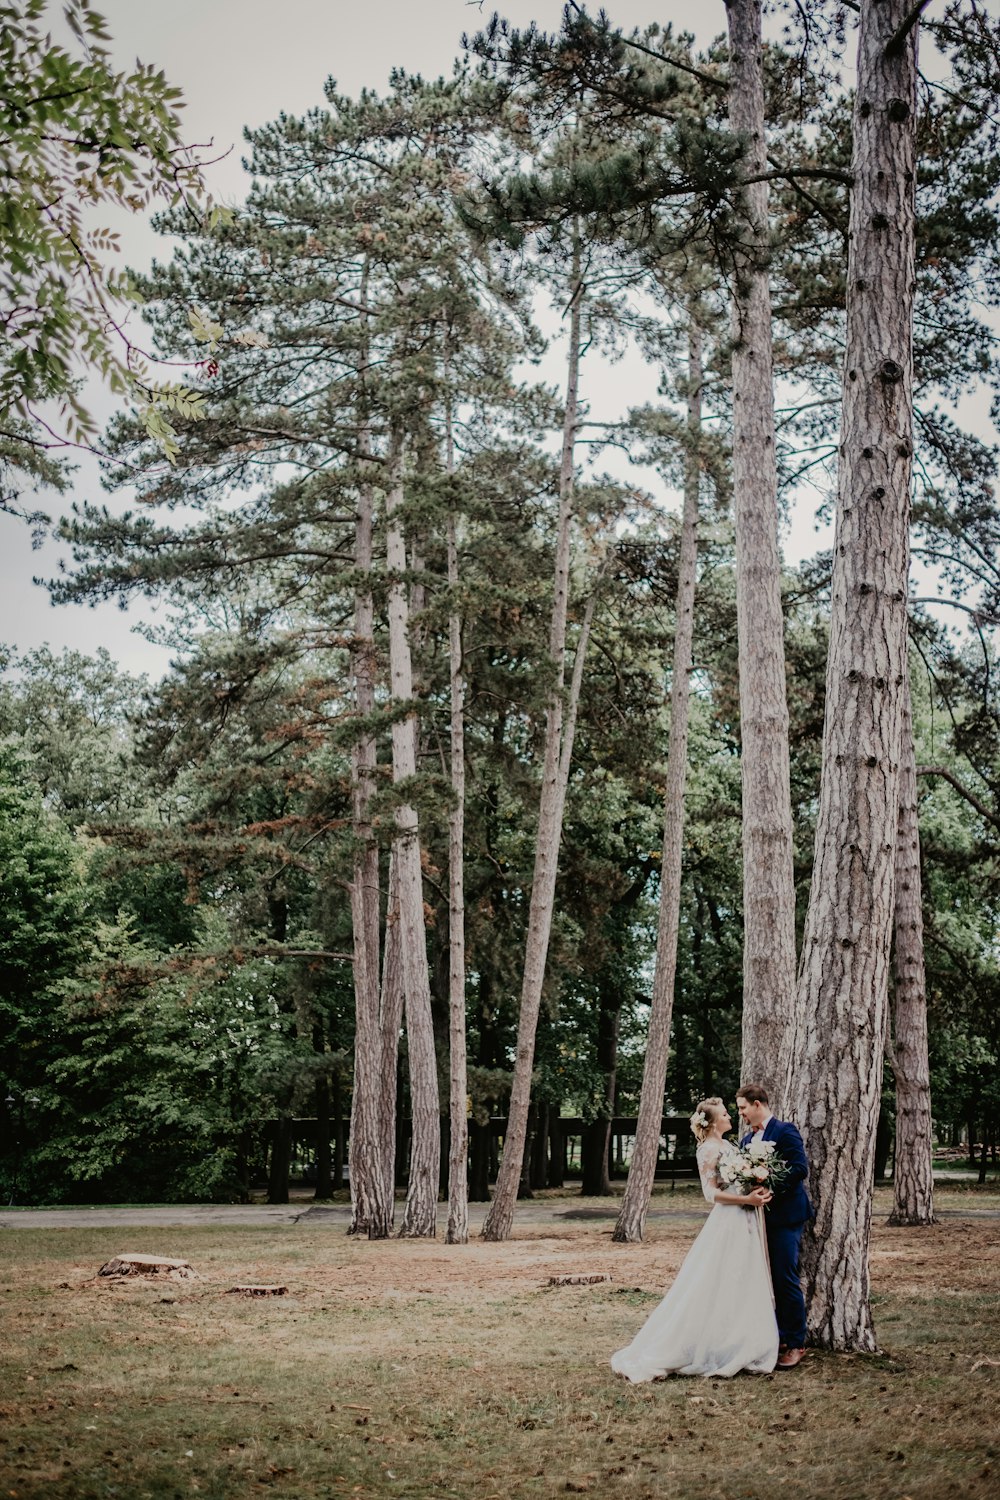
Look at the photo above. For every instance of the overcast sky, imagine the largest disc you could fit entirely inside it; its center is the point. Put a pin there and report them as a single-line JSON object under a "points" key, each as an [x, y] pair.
{"points": [[242, 62]]}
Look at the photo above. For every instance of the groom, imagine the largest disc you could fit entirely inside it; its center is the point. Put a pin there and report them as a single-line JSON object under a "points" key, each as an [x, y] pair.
{"points": [[785, 1218]]}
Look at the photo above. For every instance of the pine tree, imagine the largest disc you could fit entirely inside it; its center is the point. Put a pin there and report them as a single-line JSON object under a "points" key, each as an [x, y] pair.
{"points": [[768, 878], [845, 958], [913, 1178], [558, 741], [645, 1154]]}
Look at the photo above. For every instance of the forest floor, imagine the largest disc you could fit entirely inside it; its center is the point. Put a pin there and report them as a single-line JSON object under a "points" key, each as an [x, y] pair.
{"points": [[413, 1368]]}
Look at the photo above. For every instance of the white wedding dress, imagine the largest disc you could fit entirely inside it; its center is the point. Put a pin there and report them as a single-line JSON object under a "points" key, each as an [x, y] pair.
{"points": [[718, 1317]]}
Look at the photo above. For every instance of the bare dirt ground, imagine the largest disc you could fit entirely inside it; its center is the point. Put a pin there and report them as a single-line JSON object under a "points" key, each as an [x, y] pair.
{"points": [[419, 1369]]}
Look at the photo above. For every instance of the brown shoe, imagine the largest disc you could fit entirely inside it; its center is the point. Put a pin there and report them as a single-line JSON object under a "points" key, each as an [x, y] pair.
{"points": [[790, 1358]]}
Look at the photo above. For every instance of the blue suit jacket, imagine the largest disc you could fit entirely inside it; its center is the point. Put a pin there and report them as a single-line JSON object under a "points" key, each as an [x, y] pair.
{"points": [[790, 1205]]}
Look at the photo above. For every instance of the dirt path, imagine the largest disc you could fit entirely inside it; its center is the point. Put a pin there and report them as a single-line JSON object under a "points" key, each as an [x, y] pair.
{"points": [[552, 1213]]}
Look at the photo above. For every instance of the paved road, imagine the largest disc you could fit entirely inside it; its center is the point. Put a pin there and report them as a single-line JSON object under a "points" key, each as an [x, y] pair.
{"points": [[337, 1216], [304, 1211]]}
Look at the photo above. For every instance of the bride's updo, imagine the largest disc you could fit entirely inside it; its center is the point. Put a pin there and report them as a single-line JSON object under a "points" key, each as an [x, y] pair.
{"points": [[705, 1116]]}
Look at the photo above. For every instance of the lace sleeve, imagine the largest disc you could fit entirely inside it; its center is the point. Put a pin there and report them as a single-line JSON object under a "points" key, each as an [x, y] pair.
{"points": [[708, 1169]]}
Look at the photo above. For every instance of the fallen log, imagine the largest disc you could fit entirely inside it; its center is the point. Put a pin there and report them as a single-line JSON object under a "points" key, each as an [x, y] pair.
{"points": [[147, 1265]]}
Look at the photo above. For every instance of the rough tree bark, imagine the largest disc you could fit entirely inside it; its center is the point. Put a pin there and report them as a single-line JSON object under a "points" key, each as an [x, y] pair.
{"points": [[500, 1216], [843, 984], [458, 1154], [390, 1022], [768, 873], [642, 1169], [913, 1182], [420, 1213], [371, 1185]]}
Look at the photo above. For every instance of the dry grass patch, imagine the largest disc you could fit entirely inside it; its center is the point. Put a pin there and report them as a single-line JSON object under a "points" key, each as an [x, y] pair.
{"points": [[417, 1369]]}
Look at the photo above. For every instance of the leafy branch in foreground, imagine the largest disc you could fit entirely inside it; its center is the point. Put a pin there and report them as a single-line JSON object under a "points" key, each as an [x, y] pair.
{"points": [[77, 135]]}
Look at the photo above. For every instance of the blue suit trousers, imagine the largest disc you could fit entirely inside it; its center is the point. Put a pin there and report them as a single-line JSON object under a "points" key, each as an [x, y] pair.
{"points": [[783, 1244]]}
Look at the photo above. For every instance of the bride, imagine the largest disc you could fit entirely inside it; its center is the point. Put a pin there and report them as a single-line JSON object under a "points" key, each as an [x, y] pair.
{"points": [[718, 1317]]}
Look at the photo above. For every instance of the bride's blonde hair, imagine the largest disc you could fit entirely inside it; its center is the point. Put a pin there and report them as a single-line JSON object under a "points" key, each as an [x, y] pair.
{"points": [[705, 1115]]}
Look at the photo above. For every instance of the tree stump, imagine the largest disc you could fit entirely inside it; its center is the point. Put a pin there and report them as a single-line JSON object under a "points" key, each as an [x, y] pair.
{"points": [[148, 1265]]}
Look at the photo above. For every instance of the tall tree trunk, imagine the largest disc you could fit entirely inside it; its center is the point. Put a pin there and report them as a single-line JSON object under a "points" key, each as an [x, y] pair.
{"points": [[540, 1146], [337, 1106], [913, 1181], [490, 1056], [279, 1167], [420, 1214], [390, 1023], [557, 1150], [498, 1221], [479, 1140], [768, 874], [843, 986], [497, 1224], [883, 1145], [642, 1169], [596, 1140], [371, 1188], [324, 1163], [458, 1153]]}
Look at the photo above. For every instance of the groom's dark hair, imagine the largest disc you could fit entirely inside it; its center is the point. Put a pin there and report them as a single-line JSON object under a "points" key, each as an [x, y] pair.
{"points": [[753, 1093]]}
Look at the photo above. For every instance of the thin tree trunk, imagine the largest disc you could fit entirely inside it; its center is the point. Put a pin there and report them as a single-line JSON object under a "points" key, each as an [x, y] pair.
{"points": [[337, 1106], [883, 1145], [420, 1214], [458, 1154], [768, 874], [371, 1191], [595, 1145], [479, 1139], [557, 1150], [540, 1146], [913, 1181], [642, 1169], [843, 986], [324, 1163], [390, 1023], [498, 1221], [499, 1218]]}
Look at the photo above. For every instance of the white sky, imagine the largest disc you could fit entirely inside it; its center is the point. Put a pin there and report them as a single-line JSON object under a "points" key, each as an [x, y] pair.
{"points": [[242, 62]]}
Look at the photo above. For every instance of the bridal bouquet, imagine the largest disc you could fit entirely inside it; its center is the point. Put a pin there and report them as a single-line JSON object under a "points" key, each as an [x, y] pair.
{"points": [[756, 1165]]}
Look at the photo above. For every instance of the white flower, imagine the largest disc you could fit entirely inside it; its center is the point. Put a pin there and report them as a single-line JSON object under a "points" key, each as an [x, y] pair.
{"points": [[760, 1149], [701, 1119]]}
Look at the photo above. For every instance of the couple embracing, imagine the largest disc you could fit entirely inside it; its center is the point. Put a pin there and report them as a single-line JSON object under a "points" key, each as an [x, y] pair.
{"points": [[736, 1303]]}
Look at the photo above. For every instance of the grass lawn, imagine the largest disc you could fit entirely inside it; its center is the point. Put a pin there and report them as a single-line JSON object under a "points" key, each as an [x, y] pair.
{"points": [[414, 1368]]}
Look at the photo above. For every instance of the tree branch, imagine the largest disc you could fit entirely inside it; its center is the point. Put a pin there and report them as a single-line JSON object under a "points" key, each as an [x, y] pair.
{"points": [[815, 203], [962, 791], [978, 615], [894, 45], [832, 174], [671, 62]]}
